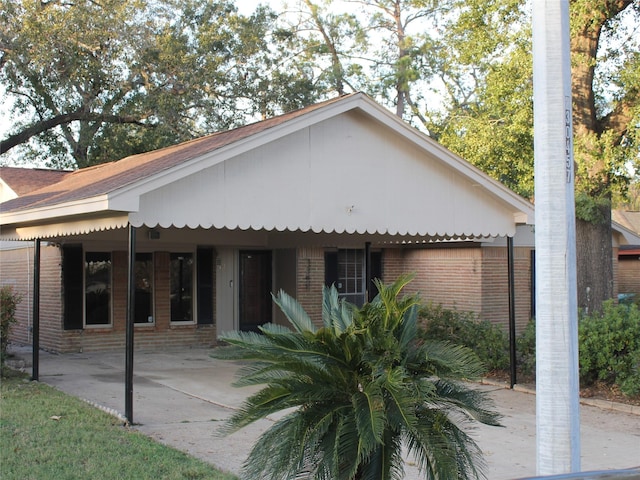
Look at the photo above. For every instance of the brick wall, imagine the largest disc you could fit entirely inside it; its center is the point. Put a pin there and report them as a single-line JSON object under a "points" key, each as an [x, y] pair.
{"points": [[17, 270], [392, 265], [495, 286], [450, 277], [466, 279], [310, 278]]}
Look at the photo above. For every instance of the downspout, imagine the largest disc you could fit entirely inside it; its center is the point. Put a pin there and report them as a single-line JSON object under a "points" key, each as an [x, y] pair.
{"points": [[131, 291]]}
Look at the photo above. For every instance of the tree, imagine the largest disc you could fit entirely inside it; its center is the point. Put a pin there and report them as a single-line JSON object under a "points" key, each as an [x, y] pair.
{"points": [[384, 49], [328, 43], [605, 133], [95, 81], [401, 58], [360, 387], [483, 62], [487, 116]]}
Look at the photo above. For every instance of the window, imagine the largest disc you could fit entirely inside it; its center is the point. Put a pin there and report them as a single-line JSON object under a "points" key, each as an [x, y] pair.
{"points": [[206, 282], [181, 272], [350, 283], [73, 287], [144, 288], [346, 270], [97, 291]]}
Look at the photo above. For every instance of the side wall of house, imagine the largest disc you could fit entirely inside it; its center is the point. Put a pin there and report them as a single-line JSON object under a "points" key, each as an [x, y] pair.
{"points": [[472, 279], [17, 271], [495, 286], [451, 277]]}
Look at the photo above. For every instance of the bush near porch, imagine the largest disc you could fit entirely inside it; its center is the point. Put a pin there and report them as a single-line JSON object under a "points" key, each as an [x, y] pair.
{"points": [[9, 301], [609, 346]]}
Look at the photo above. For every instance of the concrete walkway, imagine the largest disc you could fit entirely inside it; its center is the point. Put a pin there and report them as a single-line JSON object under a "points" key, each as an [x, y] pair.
{"points": [[182, 396]]}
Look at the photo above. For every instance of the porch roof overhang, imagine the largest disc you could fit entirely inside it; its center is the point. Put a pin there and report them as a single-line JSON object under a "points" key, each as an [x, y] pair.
{"points": [[345, 167]]}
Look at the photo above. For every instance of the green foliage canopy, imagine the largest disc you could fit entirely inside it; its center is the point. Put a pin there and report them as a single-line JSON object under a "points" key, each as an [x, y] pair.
{"points": [[96, 81]]}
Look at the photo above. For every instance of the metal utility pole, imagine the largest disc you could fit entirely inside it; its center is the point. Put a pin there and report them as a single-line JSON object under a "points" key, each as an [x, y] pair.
{"points": [[557, 385], [131, 293], [35, 339]]}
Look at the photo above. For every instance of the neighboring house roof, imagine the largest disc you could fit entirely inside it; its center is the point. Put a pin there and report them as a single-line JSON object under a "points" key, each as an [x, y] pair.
{"points": [[17, 182], [344, 165], [628, 219]]}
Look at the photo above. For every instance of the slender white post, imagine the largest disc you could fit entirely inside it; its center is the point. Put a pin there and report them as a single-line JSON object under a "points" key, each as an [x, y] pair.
{"points": [[557, 383]]}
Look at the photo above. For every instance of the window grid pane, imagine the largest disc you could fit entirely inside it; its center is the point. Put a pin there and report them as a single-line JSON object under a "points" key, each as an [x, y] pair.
{"points": [[351, 275]]}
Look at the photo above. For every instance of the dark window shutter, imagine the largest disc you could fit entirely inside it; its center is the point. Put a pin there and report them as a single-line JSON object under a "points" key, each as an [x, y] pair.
{"points": [[330, 268], [533, 283], [376, 272], [72, 273], [205, 285]]}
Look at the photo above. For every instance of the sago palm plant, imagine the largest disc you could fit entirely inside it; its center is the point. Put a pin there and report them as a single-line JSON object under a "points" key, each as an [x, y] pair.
{"points": [[356, 391]]}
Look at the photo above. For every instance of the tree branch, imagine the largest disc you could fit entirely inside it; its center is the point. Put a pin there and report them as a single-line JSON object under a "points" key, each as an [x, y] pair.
{"points": [[618, 120], [63, 119]]}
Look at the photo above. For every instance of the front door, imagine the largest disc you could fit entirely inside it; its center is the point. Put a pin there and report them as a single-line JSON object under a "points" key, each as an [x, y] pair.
{"points": [[255, 289]]}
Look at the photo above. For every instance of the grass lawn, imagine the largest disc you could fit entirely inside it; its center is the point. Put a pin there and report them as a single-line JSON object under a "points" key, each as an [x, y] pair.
{"points": [[46, 434]]}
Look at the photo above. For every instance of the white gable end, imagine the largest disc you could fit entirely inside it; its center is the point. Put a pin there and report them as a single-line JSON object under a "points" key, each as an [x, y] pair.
{"points": [[349, 173]]}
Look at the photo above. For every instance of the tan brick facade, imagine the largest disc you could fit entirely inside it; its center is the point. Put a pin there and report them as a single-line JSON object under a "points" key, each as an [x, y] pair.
{"points": [[17, 270], [467, 279], [310, 278], [495, 293]]}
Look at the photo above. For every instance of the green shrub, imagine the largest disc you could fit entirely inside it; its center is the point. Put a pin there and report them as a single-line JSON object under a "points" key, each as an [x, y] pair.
{"points": [[610, 347], [487, 340], [8, 304], [526, 349]]}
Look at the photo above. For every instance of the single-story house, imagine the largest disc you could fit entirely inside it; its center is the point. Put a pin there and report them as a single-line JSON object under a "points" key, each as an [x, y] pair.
{"points": [[336, 193]]}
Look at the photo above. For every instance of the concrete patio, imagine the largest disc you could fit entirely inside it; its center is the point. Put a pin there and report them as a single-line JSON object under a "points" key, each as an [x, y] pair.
{"points": [[182, 396]]}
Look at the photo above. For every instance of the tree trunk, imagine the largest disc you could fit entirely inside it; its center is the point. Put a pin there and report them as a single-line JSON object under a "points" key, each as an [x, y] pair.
{"points": [[595, 263], [593, 238]]}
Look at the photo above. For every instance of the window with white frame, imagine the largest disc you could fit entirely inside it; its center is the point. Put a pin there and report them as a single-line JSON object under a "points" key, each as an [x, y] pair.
{"points": [[351, 279]]}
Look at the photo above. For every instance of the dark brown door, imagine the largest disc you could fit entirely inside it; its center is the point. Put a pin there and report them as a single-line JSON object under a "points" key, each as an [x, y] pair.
{"points": [[255, 289]]}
